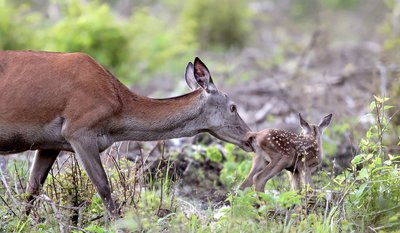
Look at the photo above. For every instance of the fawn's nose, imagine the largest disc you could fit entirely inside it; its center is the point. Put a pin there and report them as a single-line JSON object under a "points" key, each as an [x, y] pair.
{"points": [[248, 141], [247, 146]]}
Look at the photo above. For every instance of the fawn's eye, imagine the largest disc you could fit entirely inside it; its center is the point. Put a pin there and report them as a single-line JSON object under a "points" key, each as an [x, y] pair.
{"points": [[233, 108]]}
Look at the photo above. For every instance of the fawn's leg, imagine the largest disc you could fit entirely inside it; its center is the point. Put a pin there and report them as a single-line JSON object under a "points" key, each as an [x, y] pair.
{"points": [[306, 175], [87, 152], [273, 168], [294, 179], [42, 163], [258, 164]]}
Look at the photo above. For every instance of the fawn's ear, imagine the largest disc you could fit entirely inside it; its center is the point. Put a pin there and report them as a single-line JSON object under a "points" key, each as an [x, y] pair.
{"points": [[250, 136], [189, 77], [304, 124], [203, 76], [324, 122]]}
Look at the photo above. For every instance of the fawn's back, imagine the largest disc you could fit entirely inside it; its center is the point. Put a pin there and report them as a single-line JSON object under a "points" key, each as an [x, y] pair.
{"points": [[280, 144]]}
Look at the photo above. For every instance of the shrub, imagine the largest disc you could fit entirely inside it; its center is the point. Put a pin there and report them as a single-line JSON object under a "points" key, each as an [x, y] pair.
{"points": [[91, 28], [374, 193], [224, 23], [17, 26], [155, 47]]}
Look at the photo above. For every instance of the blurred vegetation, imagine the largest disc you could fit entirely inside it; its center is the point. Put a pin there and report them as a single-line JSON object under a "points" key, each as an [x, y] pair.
{"points": [[135, 48], [225, 23], [17, 26], [155, 47], [88, 27]]}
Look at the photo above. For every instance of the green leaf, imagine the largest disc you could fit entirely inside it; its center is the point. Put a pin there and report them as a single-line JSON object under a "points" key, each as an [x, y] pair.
{"points": [[372, 106], [378, 99], [213, 154], [229, 155], [340, 179], [265, 197], [377, 161], [22, 227], [357, 159], [387, 107], [368, 157], [363, 173], [370, 134], [381, 100], [96, 229], [387, 162], [360, 191]]}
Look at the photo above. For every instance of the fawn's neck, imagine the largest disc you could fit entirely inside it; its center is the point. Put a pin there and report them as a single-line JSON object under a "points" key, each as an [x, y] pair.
{"points": [[308, 143]]}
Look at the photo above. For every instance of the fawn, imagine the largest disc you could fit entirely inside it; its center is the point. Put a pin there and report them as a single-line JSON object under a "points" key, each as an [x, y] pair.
{"points": [[276, 150]]}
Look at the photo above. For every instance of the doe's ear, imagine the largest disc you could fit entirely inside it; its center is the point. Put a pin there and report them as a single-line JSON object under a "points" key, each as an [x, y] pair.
{"points": [[325, 122], [304, 124], [189, 77], [203, 76]]}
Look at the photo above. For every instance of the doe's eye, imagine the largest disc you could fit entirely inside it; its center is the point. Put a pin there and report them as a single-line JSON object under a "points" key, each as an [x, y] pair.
{"points": [[233, 108]]}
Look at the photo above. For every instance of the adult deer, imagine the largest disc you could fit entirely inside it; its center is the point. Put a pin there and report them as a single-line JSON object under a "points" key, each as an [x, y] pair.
{"points": [[277, 150], [66, 101]]}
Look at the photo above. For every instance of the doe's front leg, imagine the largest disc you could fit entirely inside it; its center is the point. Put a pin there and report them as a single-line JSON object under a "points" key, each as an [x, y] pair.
{"points": [[87, 152]]}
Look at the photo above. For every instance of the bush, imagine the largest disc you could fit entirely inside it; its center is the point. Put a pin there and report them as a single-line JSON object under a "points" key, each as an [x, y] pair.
{"points": [[90, 28], [17, 26], [374, 193], [224, 23], [155, 47]]}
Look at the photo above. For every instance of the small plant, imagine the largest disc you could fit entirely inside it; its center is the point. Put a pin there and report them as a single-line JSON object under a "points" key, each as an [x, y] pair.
{"points": [[236, 166], [375, 189]]}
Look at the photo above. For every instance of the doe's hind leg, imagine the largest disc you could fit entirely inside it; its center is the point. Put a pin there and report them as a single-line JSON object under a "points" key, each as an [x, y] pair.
{"points": [[42, 163]]}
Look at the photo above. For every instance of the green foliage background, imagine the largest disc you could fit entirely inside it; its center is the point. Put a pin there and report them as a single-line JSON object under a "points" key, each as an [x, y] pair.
{"points": [[147, 43]]}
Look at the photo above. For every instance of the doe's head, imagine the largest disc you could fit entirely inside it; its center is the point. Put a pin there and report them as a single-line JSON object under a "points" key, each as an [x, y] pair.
{"points": [[219, 113]]}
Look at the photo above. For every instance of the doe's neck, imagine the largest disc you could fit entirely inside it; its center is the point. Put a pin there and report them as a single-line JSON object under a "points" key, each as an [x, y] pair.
{"points": [[147, 119]]}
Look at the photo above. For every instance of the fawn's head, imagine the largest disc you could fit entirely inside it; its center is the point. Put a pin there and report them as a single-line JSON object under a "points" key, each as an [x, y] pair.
{"points": [[219, 114], [314, 130]]}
